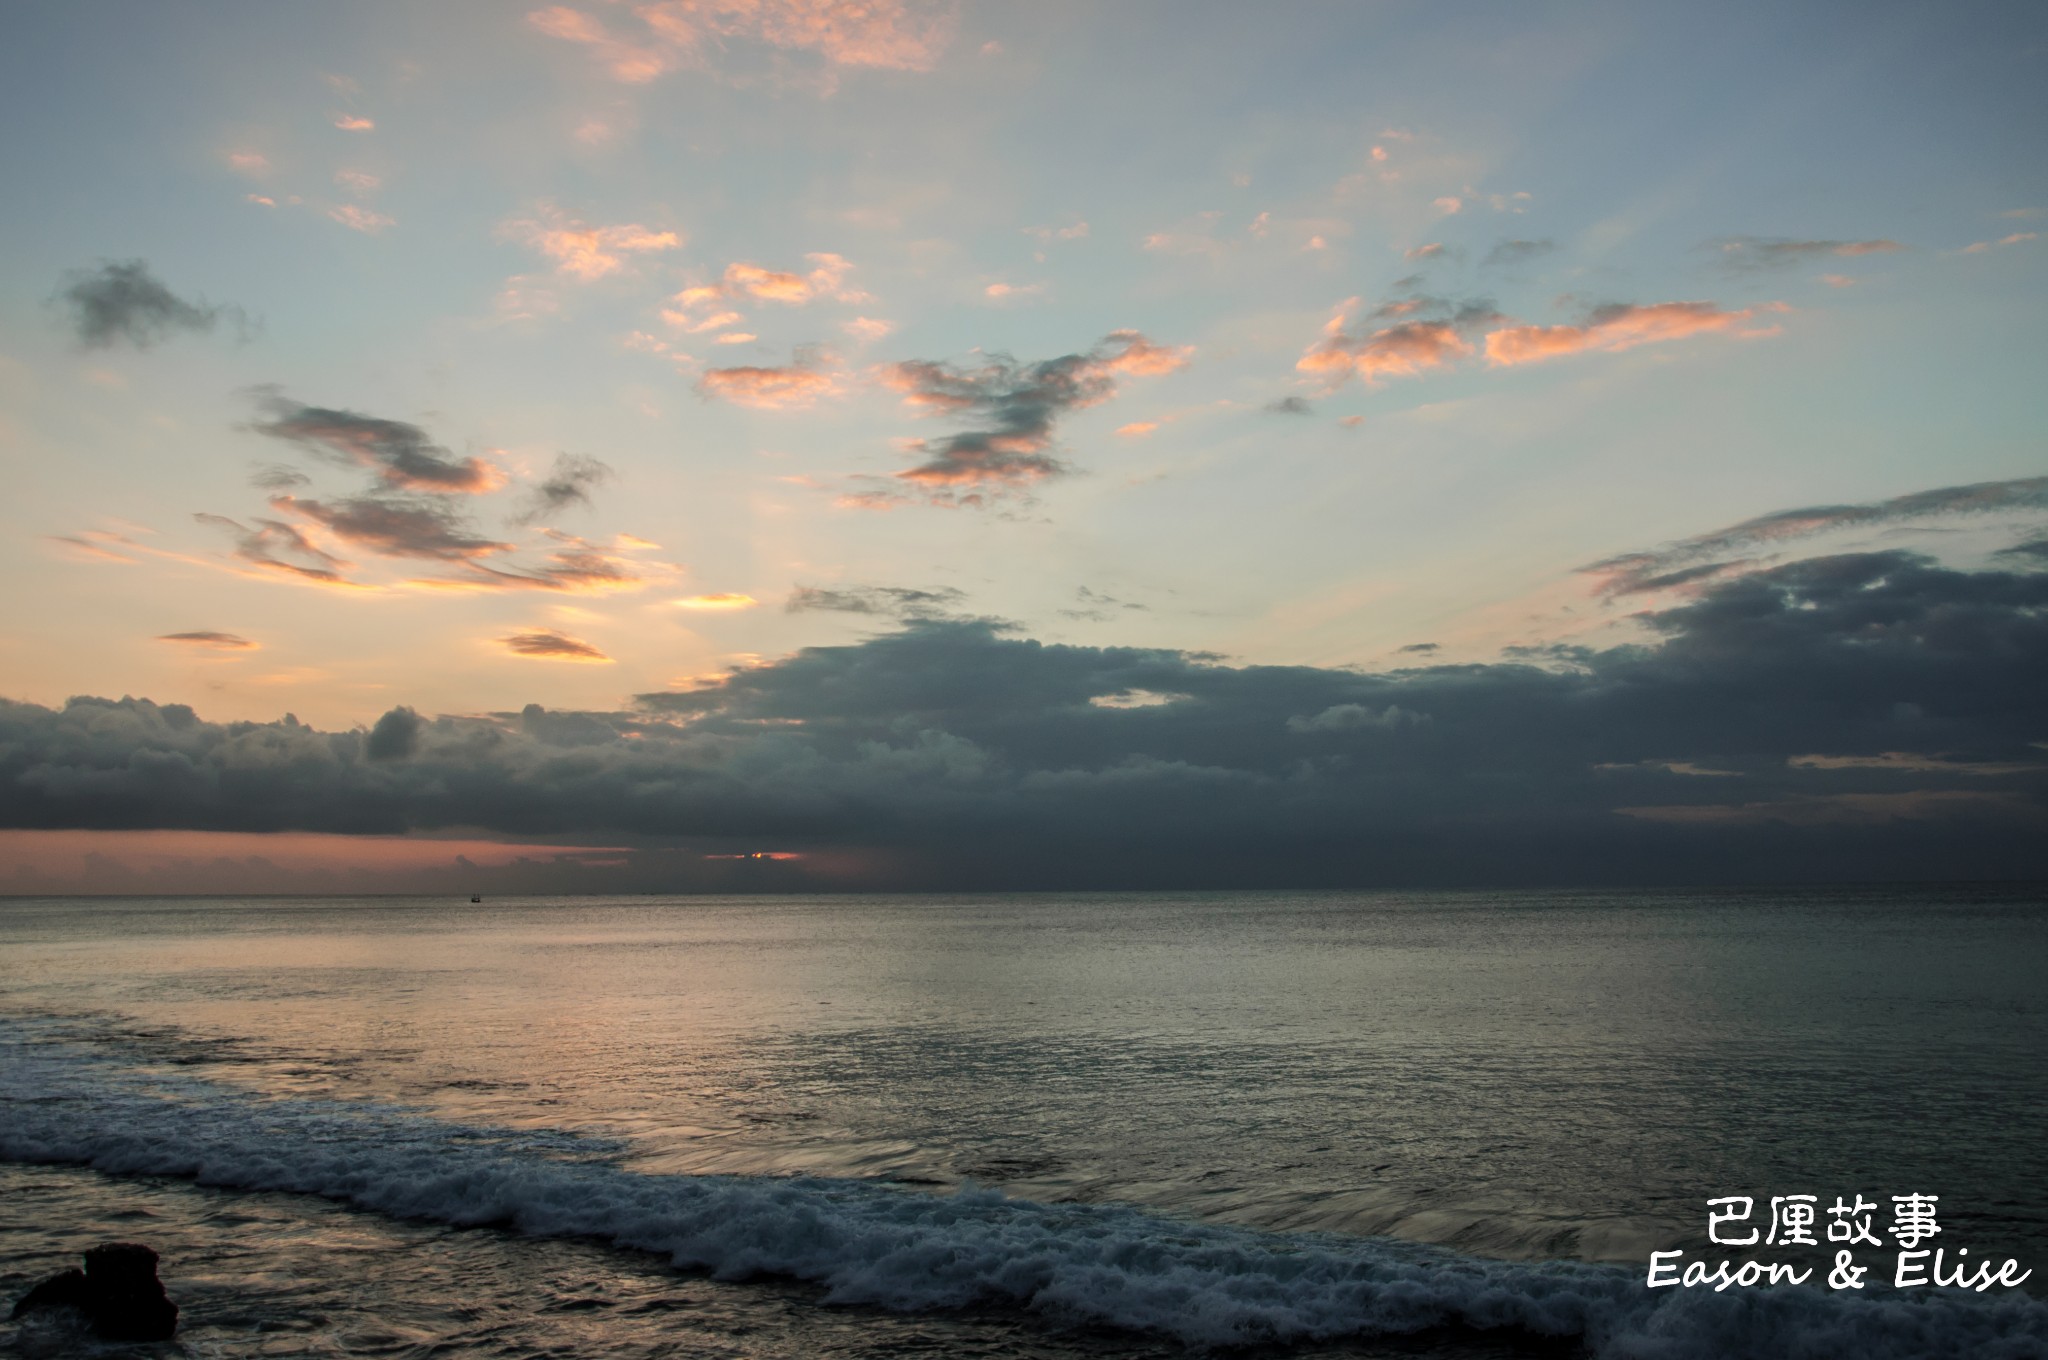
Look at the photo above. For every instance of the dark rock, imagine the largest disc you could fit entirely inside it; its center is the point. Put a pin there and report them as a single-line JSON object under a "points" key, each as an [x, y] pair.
{"points": [[63, 1290], [118, 1293]]}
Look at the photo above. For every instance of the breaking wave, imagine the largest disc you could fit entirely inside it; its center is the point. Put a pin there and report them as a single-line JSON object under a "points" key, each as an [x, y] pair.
{"points": [[870, 1243]]}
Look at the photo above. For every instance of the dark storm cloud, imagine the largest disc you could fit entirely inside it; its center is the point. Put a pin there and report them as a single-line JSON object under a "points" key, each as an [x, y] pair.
{"points": [[1681, 562], [396, 735], [2034, 550], [1866, 715], [898, 602], [121, 302], [1517, 252], [568, 483], [400, 453], [1016, 407]]}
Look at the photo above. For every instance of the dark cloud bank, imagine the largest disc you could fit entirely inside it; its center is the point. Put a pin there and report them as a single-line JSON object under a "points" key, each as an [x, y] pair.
{"points": [[950, 754]]}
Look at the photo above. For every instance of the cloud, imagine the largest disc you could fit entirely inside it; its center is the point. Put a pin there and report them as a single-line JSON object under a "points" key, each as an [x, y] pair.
{"points": [[1405, 349], [1516, 252], [550, 645], [120, 302], [826, 279], [358, 218], [582, 251], [901, 35], [722, 602], [1705, 556], [394, 527], [1777, 252], [349, 122], [1137, 428], [897, 602], [1979, 247], [400, 453], [1421, 647], [1617, 327], [1289, 406], [795, 386], [1017, 406], [868, 328], [211, 641], [1431, 251], [951, 753], [271, 545], [568, 483]]}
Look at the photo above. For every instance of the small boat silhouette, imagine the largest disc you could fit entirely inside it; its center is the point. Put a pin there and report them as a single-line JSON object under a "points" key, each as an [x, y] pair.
{"points": [[474, 898]]}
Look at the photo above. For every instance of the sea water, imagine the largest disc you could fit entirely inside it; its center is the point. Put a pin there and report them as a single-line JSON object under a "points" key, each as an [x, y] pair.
{"points": [[1304, 1123]]}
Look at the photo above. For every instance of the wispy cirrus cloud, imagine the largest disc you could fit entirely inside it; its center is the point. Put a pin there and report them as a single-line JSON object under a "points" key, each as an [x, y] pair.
{"points": [[583, 251], [119, 302], [273, 546], [356, 217], [1017, 407], [399, 452], [1620, 326], [1516, 252], [550, 645], [1707, 557]]}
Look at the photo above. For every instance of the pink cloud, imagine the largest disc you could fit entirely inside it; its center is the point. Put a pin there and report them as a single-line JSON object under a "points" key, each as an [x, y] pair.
{"points": [[1613, 329], [799, 384], [358, 218], [586, 252], [349, 122], [1405, 349], [903, 35]]}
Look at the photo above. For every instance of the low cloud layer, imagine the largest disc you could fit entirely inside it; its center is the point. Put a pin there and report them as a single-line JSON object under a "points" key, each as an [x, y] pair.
{"points": [[121, 303], [1862, 715]]}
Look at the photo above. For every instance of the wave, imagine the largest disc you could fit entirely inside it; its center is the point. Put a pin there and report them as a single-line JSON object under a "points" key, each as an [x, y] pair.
{"points": [[876, 1244]]}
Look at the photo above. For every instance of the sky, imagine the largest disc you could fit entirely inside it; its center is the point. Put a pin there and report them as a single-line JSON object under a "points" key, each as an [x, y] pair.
{"points": [[793, 444]]}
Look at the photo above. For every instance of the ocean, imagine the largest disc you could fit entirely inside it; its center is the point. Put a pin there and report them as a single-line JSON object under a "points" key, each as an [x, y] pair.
{"points": [[1288, 1123]]}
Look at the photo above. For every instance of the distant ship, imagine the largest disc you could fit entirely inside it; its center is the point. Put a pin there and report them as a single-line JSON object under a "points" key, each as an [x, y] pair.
{"points": [[474, 898]]}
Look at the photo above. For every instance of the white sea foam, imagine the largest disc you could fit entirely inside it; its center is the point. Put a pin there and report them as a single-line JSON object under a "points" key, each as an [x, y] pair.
{"points": [[874, 1244]]}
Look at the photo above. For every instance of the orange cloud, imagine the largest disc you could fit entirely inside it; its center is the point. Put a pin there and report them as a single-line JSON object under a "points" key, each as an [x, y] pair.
{"points": [[1404, 349], [586, 252], [1613, 329], [1978, 248], [1136, 428], [348, 122], [550, 645], [798, 385], [904, 35], [724, 601], [249, 162], [868, 328]]}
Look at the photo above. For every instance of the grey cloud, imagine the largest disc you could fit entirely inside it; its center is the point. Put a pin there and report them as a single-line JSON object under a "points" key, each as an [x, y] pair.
{"points": [[1096, 607], [1681, 562], [1018, 405], [897, 602], [568, 483], [950, 753], [393, 527], [272, 545], [400, 453], [396, 735], [1778, 252], [210, 640], [1290, 406], [1420, 647], [121, 302], [1517, 252]]}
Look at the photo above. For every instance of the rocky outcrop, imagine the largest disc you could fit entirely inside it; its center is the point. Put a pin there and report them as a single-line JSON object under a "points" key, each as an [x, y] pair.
{"points": [[118, 1294]]}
